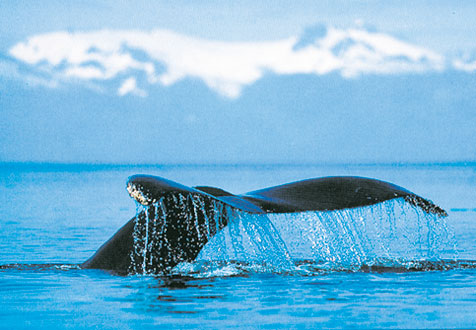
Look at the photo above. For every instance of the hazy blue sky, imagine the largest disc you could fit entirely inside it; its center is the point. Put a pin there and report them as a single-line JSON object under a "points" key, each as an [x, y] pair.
{"points": [[281, 81]]}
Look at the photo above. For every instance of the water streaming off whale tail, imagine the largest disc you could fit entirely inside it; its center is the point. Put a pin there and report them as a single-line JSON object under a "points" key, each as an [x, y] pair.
{"points": [[393, 234], [176, 228], [250, 243], [219, 240]]}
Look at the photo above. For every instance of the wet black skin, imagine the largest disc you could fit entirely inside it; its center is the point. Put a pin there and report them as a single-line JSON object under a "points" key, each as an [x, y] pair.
{"points": [[185, 240]]}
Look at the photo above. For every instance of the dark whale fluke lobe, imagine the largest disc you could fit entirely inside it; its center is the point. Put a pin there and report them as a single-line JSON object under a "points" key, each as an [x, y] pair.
{"points": [[334, 193], [176, 221]]}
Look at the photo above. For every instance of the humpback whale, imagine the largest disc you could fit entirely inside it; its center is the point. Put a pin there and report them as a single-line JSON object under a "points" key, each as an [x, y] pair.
{"points": [[176, 221]]}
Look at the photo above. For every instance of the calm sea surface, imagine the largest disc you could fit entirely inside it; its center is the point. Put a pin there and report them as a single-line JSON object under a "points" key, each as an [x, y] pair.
{"points": [[55, 217]]}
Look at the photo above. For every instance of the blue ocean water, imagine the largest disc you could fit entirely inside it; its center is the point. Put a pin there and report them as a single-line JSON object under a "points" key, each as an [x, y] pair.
{"points": [[54, 217]]}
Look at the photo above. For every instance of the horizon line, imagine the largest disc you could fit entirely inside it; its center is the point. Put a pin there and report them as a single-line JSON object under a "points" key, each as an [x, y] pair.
{"points": [[40, 164]]}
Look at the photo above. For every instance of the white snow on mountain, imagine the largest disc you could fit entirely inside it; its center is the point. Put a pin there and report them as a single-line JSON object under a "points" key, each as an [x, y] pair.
{"points": [[163, 57]]}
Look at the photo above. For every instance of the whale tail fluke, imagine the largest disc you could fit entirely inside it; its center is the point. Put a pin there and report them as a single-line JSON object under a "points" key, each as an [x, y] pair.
{"points": [[174, 221], [322, 194]]}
